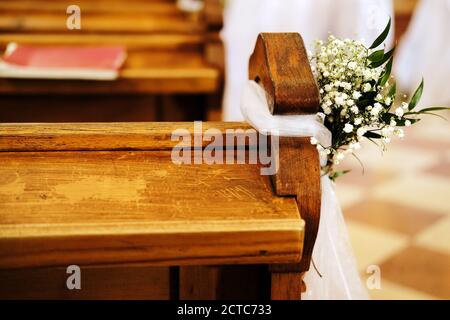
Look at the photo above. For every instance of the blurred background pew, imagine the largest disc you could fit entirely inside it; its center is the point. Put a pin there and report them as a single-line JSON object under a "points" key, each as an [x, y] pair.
{"points": [[173, 69]]}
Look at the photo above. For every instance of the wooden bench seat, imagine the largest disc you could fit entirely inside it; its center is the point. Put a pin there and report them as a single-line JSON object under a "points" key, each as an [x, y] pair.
{"points": [[110, 206], [70, 194]]}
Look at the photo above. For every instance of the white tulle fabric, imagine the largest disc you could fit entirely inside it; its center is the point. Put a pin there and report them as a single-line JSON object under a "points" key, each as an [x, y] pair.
{"points": [[424, 51], [313, 19], [332, 253]]}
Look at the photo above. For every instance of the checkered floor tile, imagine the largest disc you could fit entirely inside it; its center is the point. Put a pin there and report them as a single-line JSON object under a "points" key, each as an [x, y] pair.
{"points": [[398, 212]]}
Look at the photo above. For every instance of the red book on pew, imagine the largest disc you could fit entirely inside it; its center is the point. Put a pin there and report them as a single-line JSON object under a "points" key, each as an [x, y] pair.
{"points": [[44, 62]]}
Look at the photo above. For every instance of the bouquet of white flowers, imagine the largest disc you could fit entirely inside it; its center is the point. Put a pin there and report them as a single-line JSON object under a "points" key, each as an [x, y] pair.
{"points": [[357, 96]]}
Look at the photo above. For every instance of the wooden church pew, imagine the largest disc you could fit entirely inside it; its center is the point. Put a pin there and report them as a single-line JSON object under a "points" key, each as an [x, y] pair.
{"points": [[166, 7], [164, 64], [108, 198], [155, 64]]}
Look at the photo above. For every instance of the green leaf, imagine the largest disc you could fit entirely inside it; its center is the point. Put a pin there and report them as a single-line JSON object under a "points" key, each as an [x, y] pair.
{"points": [[385, 58], [338, 174], [376, 56], [386, 73], [392, 91], [416, 97], [401, 122], [372, 135], [436, 115], [382, 36], [386, 117], [367, 99], [433, 109]]}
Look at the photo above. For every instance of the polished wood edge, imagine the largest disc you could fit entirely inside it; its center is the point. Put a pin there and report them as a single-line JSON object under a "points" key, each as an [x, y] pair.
{"points": [[28, 137], [280, 63]]}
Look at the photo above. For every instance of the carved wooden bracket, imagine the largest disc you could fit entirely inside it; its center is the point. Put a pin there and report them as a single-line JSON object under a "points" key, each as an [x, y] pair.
{"points": [[280, 65]]}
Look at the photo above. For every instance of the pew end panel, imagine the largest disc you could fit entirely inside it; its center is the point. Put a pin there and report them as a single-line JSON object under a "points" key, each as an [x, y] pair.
{"points": [[280, 65]]}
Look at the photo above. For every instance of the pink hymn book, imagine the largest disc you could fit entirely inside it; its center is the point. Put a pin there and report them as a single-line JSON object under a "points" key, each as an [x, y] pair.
{"points": [[87, 63]]}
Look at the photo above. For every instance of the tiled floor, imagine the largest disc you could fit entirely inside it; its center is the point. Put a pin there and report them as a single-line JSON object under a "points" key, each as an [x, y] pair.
{"points": [[398, 212]]}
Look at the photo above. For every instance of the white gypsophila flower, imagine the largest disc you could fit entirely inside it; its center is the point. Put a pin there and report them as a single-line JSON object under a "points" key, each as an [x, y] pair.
{"points": [[340, 156], [386, 140], [399, 133], [348, 128], [367, 74], [343, 73], [355, 145], [313, 141], [387, 131], [356, 95], [376, 109], [405, 106], [352, 65], [393, 123], [339, 100], [399, 112], [360, 132], [407, 123]]}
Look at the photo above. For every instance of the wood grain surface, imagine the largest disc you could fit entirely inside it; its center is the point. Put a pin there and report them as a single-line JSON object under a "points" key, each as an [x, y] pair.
{"points": [[280, 64], [97, 282], [97, 17], [106, 136], [60, 208]]}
